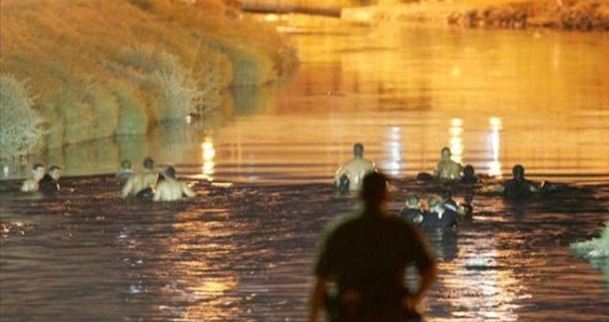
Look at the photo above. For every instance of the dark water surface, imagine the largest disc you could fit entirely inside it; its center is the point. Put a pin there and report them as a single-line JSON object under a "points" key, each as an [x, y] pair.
{"points": [[241, 251]]}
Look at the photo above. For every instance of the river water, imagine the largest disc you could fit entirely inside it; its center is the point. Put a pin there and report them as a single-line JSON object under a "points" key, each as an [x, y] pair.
{"points": [[262, 166]]}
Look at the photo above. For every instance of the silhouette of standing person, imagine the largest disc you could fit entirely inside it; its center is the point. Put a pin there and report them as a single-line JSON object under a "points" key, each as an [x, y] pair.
{"points": [[365, 255]]}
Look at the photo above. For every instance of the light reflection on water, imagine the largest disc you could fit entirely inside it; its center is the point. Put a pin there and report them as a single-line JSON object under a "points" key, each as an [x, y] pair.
{"points": [[494, 168], [244, 252], [208, 153], [456, 141], [548, 88], [392, 162]]}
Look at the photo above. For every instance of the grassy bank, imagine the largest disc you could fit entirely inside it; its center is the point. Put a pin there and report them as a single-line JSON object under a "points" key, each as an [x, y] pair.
{"points": [[99, 68]]}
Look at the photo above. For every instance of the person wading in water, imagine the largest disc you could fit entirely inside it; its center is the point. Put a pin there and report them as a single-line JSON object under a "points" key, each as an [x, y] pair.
{"points": [[349, 176], [365, 256]]}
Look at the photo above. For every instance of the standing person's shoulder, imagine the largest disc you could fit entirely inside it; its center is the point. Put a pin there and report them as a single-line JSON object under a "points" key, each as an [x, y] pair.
{"points": [[340, 223], [330, 245]]}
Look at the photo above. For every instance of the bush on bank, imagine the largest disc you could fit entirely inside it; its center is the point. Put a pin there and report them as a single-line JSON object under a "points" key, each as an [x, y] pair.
{"points": [[100, 68], [594, 248], [21, 128]]}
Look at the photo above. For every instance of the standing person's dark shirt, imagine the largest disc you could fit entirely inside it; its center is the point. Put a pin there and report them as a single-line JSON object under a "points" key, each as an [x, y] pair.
{"points": [[368, 254]]}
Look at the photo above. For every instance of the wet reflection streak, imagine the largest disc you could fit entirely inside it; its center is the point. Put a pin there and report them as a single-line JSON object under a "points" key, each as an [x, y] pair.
{"points": [[209, 153], [495, 164], [456, 141]]}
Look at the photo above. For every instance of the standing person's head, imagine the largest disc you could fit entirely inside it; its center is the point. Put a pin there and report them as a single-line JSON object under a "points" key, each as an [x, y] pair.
{"points": [[170, 172], [445, 153], [126, 165], [148, 163], [358, 150], [38, 171], [374, 190], [518, 172], [55, 172]]}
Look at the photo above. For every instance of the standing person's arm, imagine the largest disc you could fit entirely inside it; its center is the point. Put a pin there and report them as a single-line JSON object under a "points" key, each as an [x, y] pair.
{"points": [[127, 188], [158, 193], [27, 186], [317, 298], [428, 276], [437, 170], [187, 191], [323, 271], [339, 173], [460, 171], [425, 263]]}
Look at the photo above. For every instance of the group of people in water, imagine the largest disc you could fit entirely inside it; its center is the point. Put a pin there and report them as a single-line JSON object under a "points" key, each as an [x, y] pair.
{"points": [[443, 211], [42, 180], [150, 185], [365, 254], [147, 184]]}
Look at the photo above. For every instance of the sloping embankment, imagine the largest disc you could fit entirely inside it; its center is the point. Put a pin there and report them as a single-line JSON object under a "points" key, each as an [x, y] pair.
{"points": [[98, 68]]}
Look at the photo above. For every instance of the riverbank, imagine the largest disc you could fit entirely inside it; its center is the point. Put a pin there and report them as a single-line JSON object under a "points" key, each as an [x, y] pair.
{"points": [[94, 69], [580, 15]]}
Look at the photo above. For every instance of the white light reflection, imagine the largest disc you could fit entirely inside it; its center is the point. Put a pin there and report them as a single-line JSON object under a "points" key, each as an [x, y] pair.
{"points": [[392, 165], [456, 140], [271, 17], [209, 154], [494, 168]]}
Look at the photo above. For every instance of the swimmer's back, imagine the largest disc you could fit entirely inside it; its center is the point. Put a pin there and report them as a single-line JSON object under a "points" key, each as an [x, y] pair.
{"points": [[30, 185], [355, 169], [448, 170], [139, 182], [172, 190]]}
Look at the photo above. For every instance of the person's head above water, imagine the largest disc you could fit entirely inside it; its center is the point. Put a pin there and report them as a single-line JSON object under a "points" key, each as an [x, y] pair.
{"points": [[38, 171], [445, 153], [55, 172], [126, 164], [413, 202], [148, 163], [446, 194], [170, 172], [374, 190], [518, 172], [469, 171], [358, 150], [434, 201]]}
